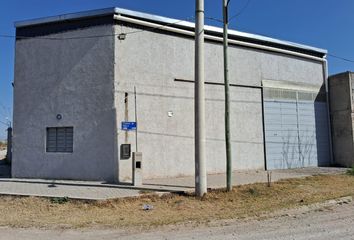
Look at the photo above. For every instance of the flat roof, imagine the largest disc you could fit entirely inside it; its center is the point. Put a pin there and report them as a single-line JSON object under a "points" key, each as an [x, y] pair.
{"points": [[160, 19]]}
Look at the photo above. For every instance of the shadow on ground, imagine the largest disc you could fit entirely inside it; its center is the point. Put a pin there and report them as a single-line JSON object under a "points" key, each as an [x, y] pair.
{"points": [[5, 177]]}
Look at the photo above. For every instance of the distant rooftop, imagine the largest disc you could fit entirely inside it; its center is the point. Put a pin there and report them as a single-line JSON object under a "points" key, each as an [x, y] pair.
{"points": [[171, 22]]}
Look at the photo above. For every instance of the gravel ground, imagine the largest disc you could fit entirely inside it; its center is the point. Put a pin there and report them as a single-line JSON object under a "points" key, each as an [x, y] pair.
{"points": [[332, 220]]}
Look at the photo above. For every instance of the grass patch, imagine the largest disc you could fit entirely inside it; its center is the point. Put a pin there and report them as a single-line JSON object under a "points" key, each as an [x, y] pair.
{"points": [[351, 171], [253, 192], [59, 200], [146, 191], [244, 201]]}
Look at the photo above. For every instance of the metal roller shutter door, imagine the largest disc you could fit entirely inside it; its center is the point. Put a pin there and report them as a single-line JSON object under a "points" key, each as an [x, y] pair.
{"points": [[296, 130]]}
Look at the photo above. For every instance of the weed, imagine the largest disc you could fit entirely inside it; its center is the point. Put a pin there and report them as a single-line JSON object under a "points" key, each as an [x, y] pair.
{"points": [[59, 200], [145, 191], [351, 171], [253, 191]]}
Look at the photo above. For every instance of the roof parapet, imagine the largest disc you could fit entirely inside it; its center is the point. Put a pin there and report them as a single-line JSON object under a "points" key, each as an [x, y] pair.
{"points": [[163, 20]]}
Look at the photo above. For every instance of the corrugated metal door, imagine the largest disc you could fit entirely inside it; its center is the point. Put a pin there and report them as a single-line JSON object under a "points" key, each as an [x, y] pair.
{"points": [[322, 136], [296, 130]]}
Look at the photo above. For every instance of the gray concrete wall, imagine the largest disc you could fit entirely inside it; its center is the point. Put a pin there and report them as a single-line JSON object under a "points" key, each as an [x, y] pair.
{"points": [[341, 117], [73, 78], [85, 80], [151, 62]]}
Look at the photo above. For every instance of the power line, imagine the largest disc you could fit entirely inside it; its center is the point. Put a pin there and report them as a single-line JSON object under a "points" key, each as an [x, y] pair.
{"points": [[232, 17], [261, 34], [214, 19], [5, 109], [152, 29], [341, 58], [241, 10], [97, 36], [6, 124], [3, 115]]}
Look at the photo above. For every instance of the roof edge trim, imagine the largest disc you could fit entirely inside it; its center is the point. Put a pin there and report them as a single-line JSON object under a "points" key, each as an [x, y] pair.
{"points": [[163, 20]]}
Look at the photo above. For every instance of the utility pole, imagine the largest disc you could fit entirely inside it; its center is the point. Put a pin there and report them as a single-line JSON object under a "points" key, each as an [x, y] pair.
{"points": [[9, 144], [199, 102], [227, 99], [136, 121]]}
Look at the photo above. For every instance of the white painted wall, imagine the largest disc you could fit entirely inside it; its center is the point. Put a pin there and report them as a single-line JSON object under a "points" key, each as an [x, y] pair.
{"points": [[151, 62]]}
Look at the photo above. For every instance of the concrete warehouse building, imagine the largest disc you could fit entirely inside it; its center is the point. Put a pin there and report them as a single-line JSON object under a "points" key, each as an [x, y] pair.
{"points": [[75, 76]]}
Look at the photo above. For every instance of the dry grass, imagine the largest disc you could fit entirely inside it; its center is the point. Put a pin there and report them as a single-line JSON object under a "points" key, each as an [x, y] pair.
{"points": [[244, 201]]}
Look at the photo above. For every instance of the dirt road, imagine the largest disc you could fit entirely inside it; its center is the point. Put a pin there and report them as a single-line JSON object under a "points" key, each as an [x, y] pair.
{"points": [[329, 222]]}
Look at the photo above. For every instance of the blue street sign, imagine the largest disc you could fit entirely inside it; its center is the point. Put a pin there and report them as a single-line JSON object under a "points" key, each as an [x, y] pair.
{"points": [[127, 126]]}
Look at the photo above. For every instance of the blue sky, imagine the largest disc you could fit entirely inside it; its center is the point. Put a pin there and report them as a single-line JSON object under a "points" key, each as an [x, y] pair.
{"points": [[325, 24]]}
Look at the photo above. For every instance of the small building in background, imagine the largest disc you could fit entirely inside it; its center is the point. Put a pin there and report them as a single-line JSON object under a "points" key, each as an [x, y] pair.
{"points": [[75, 76], [341, 89]]}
